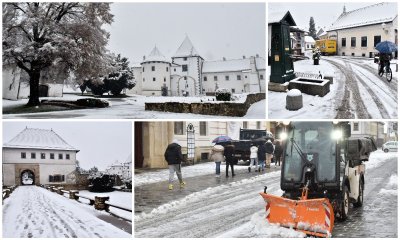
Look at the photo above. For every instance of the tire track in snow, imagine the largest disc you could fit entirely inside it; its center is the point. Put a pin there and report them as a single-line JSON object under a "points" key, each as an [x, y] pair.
{"points": [[211, 211]]}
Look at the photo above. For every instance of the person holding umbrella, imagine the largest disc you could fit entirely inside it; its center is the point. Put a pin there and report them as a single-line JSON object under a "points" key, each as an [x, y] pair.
{"points": [[217, 155], [385, 48]]}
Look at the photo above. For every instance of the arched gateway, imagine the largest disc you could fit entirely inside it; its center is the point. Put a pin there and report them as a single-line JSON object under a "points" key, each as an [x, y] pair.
{"points": [[27, 177]]}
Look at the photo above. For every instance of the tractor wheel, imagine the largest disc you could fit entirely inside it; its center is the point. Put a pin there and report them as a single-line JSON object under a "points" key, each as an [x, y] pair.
{"points": [[344, 208], [360, 198]]}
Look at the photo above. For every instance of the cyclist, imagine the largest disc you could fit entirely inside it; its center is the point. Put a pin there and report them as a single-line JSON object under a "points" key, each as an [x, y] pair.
{"points": [[384, 61]]}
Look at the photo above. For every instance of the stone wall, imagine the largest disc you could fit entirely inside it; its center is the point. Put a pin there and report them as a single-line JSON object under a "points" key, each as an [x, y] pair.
{"points": [[221, 109]]}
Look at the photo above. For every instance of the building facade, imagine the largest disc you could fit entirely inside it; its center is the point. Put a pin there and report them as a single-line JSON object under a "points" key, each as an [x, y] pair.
{"points": [[152, 138], [358, 32], [38, 156], [369, 129], [188, 74], [122, 169]]}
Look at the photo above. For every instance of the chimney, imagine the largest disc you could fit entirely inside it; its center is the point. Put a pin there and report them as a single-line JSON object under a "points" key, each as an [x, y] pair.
{"points": [[223, 58], [144, 58], [244, 57]]}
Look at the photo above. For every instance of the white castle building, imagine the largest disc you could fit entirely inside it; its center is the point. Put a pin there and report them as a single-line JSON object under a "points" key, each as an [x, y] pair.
{"points": [[188, 74], [38, 156], [122, 169]]}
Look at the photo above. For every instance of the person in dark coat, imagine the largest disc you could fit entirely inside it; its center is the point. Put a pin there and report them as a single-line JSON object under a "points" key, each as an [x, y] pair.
{"points": [[229, 153], [269, 149], [173, 155], [261, 156], [278, 153]]}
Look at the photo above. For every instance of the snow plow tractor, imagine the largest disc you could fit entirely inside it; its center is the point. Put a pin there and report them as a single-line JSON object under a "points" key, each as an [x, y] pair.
{"points": [[322, 173]]}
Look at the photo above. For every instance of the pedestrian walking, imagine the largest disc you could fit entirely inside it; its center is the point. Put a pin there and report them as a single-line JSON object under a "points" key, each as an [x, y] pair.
{"points": [[229, 153], [253, 157], [278, 153], [173, 155], [261, 156], [269, 149], [217, 155]]}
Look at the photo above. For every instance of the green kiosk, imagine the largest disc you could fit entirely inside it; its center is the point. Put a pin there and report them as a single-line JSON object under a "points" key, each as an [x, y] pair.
{"points": [[281, 63]]}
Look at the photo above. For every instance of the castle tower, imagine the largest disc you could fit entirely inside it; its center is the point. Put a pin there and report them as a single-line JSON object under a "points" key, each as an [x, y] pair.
{"points": [[155, 73], [187, 68]]}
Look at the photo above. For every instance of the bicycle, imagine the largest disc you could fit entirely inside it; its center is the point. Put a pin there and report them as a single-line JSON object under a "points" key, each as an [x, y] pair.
{"points": [[386, 70]]}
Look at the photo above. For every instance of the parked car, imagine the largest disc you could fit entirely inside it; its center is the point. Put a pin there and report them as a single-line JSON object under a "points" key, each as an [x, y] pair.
{"points": [[390, 146]]}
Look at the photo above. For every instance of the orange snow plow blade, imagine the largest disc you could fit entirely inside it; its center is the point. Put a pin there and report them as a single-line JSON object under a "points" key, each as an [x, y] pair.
{"points": [[312, 216]]}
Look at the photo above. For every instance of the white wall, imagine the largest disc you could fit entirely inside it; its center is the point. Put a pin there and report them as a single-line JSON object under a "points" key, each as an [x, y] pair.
{"points": [[137, 76], [194, 70], [14, 156], [51, 169], [369, 31], [8, 174], [151, 87]]}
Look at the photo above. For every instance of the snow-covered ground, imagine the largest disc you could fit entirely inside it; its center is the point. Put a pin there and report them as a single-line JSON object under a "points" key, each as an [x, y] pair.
{"points": [[132, 107], [122, 199], [235, 209], [189, 171], [357, 92], [31, 211]]}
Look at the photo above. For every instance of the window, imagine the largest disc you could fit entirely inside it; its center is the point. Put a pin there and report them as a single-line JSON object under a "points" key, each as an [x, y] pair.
{"points": [[245, 125], [143, 79], [23, 155], [184, 68], [205, 79], [153, 68], [185, 59], [33, 155], [377, 39], [174, 69], [51, 155], [239, 77], [167, 69], [215, 78], [343, 42], [67, 156], [356, 127], [43, 156], [184, 78], [353, 41], [165, 79], [233, 90], [56, 178], [178, 128], [227, 78], [203, 128], [364, 41], [143, 69], [60, 156], [258, 125], [245, 76], [261, 77], [204, 156], [154, 79]]}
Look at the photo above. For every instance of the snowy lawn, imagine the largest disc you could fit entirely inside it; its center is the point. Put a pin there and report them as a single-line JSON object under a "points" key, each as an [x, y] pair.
{"points": [[31, 211], [188, 171], [132, 107], [123, 199]]}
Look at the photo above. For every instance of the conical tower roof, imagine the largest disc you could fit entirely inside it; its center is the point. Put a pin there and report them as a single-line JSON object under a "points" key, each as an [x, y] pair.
{"points": [[186, 49], [155, 56]]}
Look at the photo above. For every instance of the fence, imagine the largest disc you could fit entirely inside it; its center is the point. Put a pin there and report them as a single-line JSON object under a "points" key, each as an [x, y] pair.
{"points": [[99, 203], [8, 190]]}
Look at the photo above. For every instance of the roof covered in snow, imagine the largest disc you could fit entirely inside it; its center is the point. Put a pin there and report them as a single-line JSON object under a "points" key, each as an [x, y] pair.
{"points": [[234, 65], [373, 14], [39, 139], [279, 16], [155, 56], [309, 39], [186, 49]]}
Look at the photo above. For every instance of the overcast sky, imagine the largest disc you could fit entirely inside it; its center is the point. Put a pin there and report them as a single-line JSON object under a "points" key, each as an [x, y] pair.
{"points": [[324, 14], [100, 143], [216, 30]]}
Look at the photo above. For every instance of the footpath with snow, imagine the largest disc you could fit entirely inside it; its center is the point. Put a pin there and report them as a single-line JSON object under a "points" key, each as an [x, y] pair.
{"points": [[31, 211]]}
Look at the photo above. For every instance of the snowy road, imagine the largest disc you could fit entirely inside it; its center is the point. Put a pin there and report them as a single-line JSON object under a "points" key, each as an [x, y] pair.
{"points": [[32, 211], [236, 210], [366, 94]]}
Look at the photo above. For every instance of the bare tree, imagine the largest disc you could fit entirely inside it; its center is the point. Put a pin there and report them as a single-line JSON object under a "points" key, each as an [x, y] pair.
{"points": [[39, 36]]}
